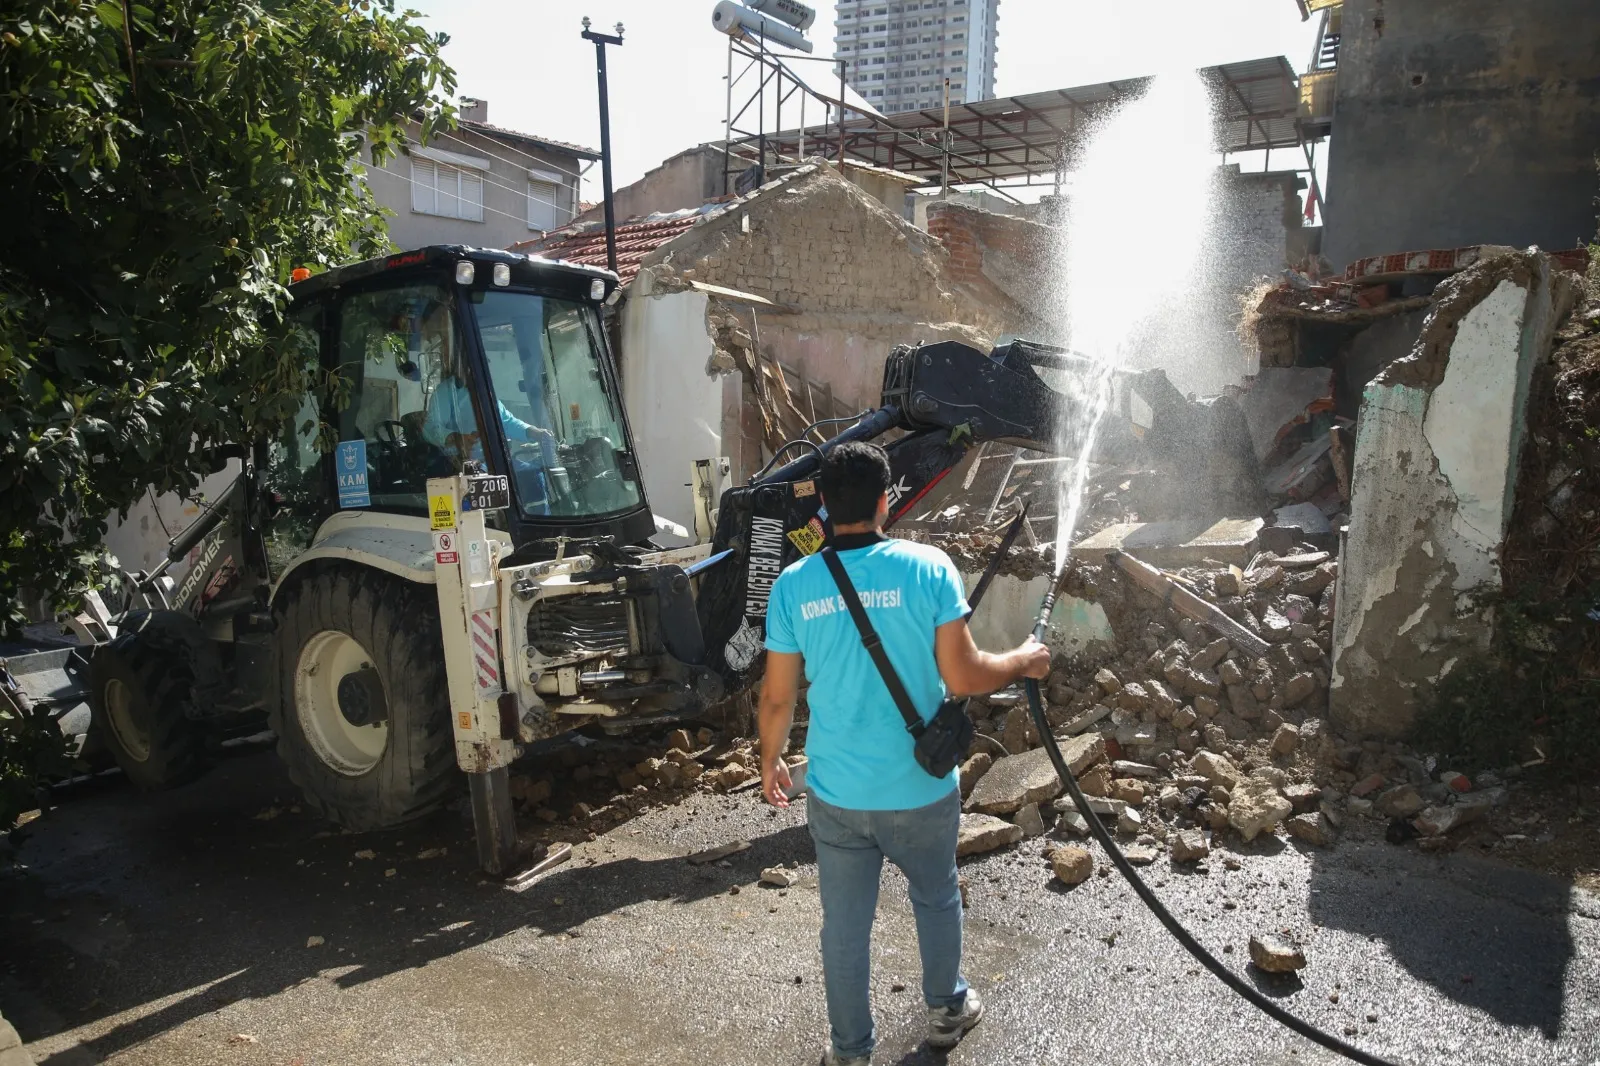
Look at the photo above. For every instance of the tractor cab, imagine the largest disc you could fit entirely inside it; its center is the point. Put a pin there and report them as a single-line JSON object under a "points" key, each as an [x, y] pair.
{"points": [[450, 359]]}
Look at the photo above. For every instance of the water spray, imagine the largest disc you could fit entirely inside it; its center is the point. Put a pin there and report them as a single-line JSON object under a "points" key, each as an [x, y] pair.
{"points": [[1106, 841]]}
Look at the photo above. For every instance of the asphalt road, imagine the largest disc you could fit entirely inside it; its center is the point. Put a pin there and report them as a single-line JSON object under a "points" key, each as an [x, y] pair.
{"points": [[174, 929]]}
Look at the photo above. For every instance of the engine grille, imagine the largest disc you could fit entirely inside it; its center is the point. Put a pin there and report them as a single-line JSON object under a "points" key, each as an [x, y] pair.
{"points": [[579, 625]]}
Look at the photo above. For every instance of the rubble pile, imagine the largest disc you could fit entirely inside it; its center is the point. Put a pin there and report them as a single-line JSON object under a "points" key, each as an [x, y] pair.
{"points": [[1180, 738], [598, 785]]}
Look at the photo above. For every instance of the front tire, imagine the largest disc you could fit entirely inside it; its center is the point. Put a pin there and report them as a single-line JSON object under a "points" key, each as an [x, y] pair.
{"points": [[143, 686], [363, 717]]}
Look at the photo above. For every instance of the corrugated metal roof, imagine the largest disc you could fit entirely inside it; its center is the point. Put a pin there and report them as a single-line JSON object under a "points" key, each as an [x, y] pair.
{"points": [[1019, 136]]}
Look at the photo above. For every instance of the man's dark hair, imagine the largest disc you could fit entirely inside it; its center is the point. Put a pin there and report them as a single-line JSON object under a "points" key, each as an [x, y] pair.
{"points": [[853, 476]]}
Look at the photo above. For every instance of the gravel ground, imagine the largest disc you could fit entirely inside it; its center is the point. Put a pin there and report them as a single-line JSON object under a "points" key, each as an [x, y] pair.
{"points": [[174, 929]]}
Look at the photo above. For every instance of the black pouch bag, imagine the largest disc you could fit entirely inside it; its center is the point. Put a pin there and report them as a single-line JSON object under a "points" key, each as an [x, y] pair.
{"points": [[940, 742]]}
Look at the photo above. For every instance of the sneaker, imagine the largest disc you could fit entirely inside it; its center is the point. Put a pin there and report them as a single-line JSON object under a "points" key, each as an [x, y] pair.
{"points": [[947, 1025], [831, 1058]]}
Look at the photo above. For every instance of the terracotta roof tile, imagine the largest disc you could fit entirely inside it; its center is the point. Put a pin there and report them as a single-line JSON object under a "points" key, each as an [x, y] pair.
{"points": [[635, 241]]}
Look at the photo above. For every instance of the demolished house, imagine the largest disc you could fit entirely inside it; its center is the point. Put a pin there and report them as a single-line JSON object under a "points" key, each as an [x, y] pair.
{"points": [[745, 321]]}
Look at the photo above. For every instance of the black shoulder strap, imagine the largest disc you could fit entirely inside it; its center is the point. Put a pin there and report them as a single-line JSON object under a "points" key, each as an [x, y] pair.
{"points": [[874, 646]]}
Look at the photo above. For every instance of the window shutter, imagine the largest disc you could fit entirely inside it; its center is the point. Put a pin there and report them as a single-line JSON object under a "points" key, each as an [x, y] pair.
{"points": [[471, 207], [542, 213], [424, 187]]}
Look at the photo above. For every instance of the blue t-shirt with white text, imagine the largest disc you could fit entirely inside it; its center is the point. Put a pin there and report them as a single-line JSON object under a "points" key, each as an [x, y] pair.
{"points": [[860, 754]]}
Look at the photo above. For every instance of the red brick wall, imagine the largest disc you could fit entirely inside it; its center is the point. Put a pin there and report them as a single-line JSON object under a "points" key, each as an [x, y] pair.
{"points": [[1011, 254]]}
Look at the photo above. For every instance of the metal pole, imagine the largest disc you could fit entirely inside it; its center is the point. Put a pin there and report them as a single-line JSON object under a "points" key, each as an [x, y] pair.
{"points": [[727, 122], [841, 116], [600, 41], [944, 181], [761, 105]]}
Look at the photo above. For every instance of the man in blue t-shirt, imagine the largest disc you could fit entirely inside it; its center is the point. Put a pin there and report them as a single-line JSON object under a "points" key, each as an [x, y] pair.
{"points": [[870, 799]]}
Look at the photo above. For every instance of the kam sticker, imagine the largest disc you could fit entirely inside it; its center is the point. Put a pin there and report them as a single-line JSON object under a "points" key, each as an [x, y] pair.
{"points": [[443, 509], [350, 465], [464, 721], [804, 488]]}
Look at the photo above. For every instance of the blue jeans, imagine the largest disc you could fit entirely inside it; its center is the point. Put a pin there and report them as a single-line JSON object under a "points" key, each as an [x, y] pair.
{"points": [[851, 846]]}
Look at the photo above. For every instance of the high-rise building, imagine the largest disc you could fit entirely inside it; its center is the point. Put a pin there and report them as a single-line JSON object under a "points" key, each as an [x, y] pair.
{"points": [[899, 52]]}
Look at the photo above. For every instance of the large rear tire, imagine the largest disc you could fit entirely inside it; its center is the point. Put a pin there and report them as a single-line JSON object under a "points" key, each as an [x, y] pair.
{"points": [[363, 713], [142, 689]]}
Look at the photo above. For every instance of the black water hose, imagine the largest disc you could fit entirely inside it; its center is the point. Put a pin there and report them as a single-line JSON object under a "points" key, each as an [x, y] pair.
{"points": [[1190, 944]]}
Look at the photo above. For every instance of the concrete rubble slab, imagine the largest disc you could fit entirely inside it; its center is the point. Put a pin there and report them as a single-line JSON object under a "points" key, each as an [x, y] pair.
{"points": [[983, 832], [1018, 780], [1178, 542], [1281, 398]]}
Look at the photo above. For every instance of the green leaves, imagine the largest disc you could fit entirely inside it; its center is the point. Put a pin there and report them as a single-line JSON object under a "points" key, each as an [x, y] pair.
{"points": [[156, 209]]}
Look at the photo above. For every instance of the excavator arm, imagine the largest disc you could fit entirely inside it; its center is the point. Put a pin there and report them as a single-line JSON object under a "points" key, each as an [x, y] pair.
{"points": [[946, 398]]}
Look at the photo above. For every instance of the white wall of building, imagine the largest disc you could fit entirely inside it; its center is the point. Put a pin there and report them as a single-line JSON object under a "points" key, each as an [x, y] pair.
{"points": [[674, 399]]}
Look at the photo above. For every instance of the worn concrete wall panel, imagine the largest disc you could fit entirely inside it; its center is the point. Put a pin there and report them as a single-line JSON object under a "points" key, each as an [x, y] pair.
{"points": [[673, 397], [1434, 478]]}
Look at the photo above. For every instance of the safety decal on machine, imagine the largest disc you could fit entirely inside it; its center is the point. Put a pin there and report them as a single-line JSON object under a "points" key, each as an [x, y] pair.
{"points": [[803, 489], [808, 538], [485, 656], [443, 509], [444, 547]]}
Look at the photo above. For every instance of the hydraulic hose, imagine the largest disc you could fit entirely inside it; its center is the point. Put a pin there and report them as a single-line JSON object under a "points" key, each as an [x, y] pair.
{"points": [[1192, 946]]}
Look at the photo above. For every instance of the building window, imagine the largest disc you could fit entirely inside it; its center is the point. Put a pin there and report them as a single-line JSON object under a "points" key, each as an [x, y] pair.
{"points": [[958, 36], [441, 189], [955, 52], [543, 212]]}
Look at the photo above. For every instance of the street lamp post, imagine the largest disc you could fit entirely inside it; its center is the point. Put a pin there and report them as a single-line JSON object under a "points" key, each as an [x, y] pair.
{"points": [[600, 41]]}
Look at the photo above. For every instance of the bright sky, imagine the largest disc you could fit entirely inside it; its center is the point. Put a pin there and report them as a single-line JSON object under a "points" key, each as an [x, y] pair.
{"points": [[666, 82]]}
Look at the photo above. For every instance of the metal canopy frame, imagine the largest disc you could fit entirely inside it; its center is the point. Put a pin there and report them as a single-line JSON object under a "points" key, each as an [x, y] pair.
{"points": [[1036, 138]]}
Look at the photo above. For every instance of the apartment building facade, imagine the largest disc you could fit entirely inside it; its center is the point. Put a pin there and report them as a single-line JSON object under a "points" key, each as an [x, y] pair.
{"points": [[478, 184], [899, 52]]}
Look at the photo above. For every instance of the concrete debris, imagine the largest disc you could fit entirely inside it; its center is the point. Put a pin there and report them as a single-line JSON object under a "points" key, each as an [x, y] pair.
{"points": [[975, 767], [1088, 718], [1190, 845], [1256, 805], [1302, 796], [1072, 821], [1017, 780], [1133, 769], [1402, 801], [1128, 791], [1437, 821], [1177, 543], [1273, 954], [1358, 807], [1286, 739], [721, 851], [1129, 820], [1070, 865], [1367, 786], [1314, 829], [1140, 854], [680, 740], [315, 941], [979, 833], [779, 877], [1217, 769], [1456, 782], [1029, 820]]}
